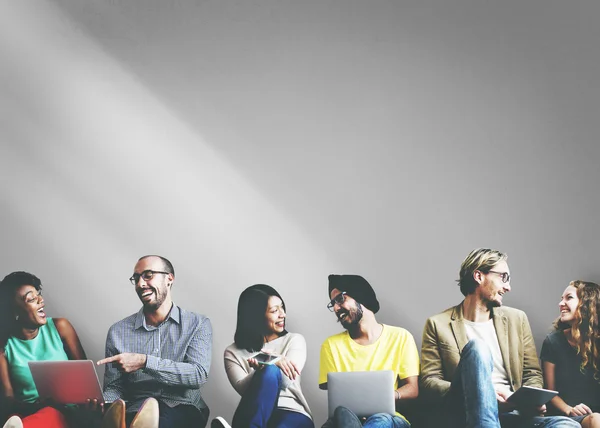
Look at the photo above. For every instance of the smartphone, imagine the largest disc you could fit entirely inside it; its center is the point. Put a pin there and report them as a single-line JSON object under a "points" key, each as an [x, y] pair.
{"points": [[265, 358]]}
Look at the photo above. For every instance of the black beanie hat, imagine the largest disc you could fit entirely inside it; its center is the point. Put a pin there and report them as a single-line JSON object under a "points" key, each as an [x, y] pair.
{"points": [[356, 287]]}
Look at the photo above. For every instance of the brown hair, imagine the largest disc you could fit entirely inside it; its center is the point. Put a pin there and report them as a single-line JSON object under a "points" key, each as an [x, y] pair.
{"points": [[482, 259], [585, 326]]}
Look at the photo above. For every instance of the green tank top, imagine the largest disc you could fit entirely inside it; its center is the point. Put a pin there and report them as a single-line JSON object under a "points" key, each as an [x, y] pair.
{"points": [[47, 345]]}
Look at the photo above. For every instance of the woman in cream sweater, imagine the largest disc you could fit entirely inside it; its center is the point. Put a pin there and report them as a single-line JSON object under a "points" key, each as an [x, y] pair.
{"points": [[271, 393]]}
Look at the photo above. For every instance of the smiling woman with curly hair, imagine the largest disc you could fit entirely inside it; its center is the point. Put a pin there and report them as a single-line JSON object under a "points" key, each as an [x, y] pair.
{"points": [[28, 334], [570, 355]]}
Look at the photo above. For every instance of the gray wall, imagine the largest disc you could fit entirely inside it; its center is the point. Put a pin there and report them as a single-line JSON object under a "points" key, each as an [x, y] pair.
{"points": [[278, 141]]}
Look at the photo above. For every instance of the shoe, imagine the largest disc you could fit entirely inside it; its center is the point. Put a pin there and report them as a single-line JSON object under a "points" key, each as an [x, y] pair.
{"points": [[114, 416], [13, 422], [147, 416], [219, 422]]}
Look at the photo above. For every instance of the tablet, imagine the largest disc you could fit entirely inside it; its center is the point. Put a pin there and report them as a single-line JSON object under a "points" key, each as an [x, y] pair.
{"points": [[266, 359], [66, 382], [530, 396]]}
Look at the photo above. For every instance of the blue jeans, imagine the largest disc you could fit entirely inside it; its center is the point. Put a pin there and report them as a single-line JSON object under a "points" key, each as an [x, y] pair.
{"points": [[258, 406], [471, 401], [345, 418], [288, 419], [512, 420]]}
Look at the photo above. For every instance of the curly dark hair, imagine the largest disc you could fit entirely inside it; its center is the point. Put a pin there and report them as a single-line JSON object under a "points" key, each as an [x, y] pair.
{"points": [[585, 328], [8, 287]]}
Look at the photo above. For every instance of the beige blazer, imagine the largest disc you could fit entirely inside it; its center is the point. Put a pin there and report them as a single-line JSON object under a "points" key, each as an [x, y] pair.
{"points": [[445, 336]]}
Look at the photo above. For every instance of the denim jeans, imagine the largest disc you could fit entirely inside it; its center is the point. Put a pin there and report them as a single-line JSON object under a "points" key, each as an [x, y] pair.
{"points": [[345, 418], [512, 420], [288, 419], [471, 401], [258, 406]]}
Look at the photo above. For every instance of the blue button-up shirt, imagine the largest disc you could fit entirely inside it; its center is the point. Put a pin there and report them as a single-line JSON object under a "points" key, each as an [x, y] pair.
{"points": [[178, 359]]}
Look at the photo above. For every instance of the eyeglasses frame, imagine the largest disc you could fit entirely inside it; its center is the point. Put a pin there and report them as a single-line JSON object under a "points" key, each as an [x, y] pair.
{"points": [[335, 300], [135, 280]]}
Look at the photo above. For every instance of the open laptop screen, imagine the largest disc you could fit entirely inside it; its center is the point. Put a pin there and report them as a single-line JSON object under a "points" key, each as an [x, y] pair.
{"points": [[365, 393]]}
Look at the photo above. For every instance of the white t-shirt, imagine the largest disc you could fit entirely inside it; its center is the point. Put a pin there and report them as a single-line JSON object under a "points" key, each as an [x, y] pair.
{"points": [[486, 332]]}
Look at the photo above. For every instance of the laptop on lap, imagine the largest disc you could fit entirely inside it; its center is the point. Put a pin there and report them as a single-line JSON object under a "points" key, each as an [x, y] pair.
{"points": [[66, 382], [365, 393]]}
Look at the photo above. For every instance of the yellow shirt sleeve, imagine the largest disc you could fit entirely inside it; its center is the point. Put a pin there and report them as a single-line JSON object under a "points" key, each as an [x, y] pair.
{"points": [[326, 362], [409, 362]]}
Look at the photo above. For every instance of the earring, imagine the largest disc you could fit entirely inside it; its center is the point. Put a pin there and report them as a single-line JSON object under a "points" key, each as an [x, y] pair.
{"points": [[17, 318]]}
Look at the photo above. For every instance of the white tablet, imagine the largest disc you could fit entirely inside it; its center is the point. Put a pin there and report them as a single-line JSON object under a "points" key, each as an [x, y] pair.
{"points": [[266, 359], [530, 396], [66, 382]]}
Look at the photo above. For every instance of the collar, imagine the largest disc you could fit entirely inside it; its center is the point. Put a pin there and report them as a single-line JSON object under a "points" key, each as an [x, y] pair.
{"points": [[140, 319], [458, 312]]}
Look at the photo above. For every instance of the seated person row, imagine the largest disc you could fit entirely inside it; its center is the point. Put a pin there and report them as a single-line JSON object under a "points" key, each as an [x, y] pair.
{"points": [[271, 394], [476, 354], [348, 292], [156, 359], [464, 362]]}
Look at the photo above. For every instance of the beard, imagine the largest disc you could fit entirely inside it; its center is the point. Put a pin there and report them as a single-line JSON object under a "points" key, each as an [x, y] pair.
{"points": [[161, 296], [353, 317], [491, 304]]}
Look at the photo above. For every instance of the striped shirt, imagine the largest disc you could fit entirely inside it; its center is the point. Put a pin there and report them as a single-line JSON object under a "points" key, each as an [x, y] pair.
{"points": [[178, 359]]}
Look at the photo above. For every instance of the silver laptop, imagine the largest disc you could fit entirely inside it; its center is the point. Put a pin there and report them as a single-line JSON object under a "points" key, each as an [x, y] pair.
{"points": [[365, 393], [66, 382]]}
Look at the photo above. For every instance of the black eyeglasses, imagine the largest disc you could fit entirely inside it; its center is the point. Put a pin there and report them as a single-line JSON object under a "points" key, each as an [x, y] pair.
{"points": [[146, 275], [339, 299], [505, 276]]}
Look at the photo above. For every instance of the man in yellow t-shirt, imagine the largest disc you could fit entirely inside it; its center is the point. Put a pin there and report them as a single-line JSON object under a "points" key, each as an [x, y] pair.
{"points": [[367, 345]]}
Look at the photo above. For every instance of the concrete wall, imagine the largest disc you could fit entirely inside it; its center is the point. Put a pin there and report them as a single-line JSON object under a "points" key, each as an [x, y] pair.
{"points": [[278, 141]]}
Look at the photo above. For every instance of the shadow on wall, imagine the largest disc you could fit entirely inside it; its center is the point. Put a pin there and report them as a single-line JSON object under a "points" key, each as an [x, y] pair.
{"points": [[279, 142]]}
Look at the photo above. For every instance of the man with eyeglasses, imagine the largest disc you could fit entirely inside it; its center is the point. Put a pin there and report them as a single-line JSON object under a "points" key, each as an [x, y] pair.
{"points": [[476, 354], [367, 345], [158, 359]]}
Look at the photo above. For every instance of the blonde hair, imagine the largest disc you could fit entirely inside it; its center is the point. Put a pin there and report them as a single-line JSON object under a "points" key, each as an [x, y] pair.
{"points": [[482, 259], [584, 328]]}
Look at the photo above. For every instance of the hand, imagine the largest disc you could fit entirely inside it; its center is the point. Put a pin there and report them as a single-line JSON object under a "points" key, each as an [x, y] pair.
{"points": [[533, 411], [503, 405], [288, 367], [579, 410], [253, 363], [126, 362], [93, 405]]}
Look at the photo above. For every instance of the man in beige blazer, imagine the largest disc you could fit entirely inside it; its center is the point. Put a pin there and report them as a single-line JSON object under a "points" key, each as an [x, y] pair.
{"points": [[476, 354]]}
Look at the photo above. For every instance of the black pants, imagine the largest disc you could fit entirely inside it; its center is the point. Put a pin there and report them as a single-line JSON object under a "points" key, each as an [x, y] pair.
{"points": [[182, 416]]}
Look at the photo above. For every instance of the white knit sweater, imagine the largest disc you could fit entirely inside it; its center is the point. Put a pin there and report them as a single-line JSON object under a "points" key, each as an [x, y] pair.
{"points": [[293, 347]]}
